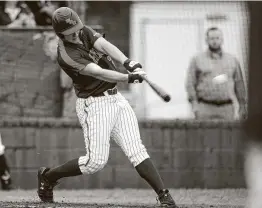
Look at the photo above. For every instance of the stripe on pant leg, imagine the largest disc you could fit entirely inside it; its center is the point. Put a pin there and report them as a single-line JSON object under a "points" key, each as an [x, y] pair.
{"points": [[87, 134]]}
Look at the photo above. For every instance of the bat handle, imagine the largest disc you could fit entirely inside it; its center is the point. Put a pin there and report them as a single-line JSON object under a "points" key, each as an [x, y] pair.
{"points": [[144, 77]]}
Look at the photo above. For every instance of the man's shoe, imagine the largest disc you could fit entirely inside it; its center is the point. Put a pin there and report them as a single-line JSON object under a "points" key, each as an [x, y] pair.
{"points": [[6, 182], [45, 188], [7, 185], [166, 199]]}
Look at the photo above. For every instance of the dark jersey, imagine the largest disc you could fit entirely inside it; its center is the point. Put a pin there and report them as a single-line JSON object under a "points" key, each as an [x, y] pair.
{"points": [[73, 58]]}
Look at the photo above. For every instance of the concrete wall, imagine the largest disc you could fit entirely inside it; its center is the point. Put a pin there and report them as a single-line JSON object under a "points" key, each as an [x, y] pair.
{"points": [[29, 79], [187, 154]]}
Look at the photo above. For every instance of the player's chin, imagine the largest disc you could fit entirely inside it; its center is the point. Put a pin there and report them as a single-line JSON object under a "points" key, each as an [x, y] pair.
{"points": [[138, 70], [216, 46]]}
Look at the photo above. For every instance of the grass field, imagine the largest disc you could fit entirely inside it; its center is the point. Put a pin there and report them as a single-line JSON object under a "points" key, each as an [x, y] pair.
{"points": [[191, 198]]}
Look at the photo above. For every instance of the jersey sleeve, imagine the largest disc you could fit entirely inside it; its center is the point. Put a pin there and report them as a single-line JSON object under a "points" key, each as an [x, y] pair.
{"points": [[91, 35], [71, 59]]}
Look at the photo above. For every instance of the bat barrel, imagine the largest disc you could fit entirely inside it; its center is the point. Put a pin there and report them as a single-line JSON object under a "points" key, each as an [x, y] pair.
{"points": [[166, 97]]}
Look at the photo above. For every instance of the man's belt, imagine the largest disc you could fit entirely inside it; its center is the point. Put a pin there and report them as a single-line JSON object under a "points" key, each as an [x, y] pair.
{"points": [[106, 93], [215, 102]]}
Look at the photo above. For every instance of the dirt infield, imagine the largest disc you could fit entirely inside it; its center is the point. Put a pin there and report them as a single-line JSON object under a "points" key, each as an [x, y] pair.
{"points": [[127, 198], [38, 205]]}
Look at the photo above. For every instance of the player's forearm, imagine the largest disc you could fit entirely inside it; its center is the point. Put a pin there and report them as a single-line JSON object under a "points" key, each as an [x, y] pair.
{"points": [[112, 76], [114, 52], [97, 72]]}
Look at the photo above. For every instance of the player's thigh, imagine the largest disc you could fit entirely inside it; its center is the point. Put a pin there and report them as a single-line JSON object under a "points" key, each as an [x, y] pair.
{"points": [[96, 121], [126, 131]]}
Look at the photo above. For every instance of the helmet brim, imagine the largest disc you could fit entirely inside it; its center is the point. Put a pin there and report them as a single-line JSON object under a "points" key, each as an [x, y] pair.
{"points": [[74, 29]]}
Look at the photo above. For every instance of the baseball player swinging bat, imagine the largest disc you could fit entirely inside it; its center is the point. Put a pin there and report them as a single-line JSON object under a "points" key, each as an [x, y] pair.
{"points": [[159, 91], [83, 50]]}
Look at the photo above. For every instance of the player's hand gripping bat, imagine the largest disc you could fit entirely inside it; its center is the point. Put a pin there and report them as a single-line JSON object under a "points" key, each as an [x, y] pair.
{"points": [[158, 90]]}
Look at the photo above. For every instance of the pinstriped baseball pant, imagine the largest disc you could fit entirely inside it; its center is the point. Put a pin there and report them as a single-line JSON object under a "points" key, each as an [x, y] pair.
{"points": [[103, 118]]}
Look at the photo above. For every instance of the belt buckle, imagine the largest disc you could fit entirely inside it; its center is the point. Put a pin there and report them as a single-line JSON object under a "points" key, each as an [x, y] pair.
{"points": [[111, 91], [114, 90]]}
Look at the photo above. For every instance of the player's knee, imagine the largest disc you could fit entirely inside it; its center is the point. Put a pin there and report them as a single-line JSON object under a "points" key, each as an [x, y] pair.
{"points": [[138, 156], [93, 164], [97, 164]]}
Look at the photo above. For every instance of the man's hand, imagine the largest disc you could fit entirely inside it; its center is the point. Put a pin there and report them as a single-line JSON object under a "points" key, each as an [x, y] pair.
{"points": [[136, 77], [242, 112], [131, 66], [194, 106]]}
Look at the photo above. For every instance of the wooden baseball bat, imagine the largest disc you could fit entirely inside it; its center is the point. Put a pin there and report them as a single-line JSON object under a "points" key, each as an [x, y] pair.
{"points": [[158, 90]]}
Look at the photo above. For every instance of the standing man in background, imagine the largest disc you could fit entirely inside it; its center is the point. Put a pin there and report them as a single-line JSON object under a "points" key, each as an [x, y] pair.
{"points": [[215, 84]]}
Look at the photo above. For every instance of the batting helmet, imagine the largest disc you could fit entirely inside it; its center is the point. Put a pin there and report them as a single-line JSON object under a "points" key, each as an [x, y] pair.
{"points": [[66, 21]]}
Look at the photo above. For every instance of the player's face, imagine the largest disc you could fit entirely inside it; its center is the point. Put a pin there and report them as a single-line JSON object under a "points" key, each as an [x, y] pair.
{"points": [[215, 39], [74, 37]]}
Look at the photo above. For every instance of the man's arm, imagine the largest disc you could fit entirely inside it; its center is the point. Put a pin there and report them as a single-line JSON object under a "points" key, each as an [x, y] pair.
{"points": [[96, 71], [191, 82], [108, 48], [240, 90], [104, 46]]}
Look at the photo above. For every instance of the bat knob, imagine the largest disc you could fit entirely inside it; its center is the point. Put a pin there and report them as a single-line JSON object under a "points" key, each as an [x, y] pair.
{"points": [[167, 98]]}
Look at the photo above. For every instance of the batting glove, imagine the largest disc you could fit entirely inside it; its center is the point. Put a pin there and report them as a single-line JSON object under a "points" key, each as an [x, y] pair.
{"points": [[136, 77], [131, 66]]}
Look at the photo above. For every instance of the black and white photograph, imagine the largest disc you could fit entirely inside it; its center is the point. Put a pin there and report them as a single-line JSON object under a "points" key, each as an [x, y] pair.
{"points": [[130, 104]]}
